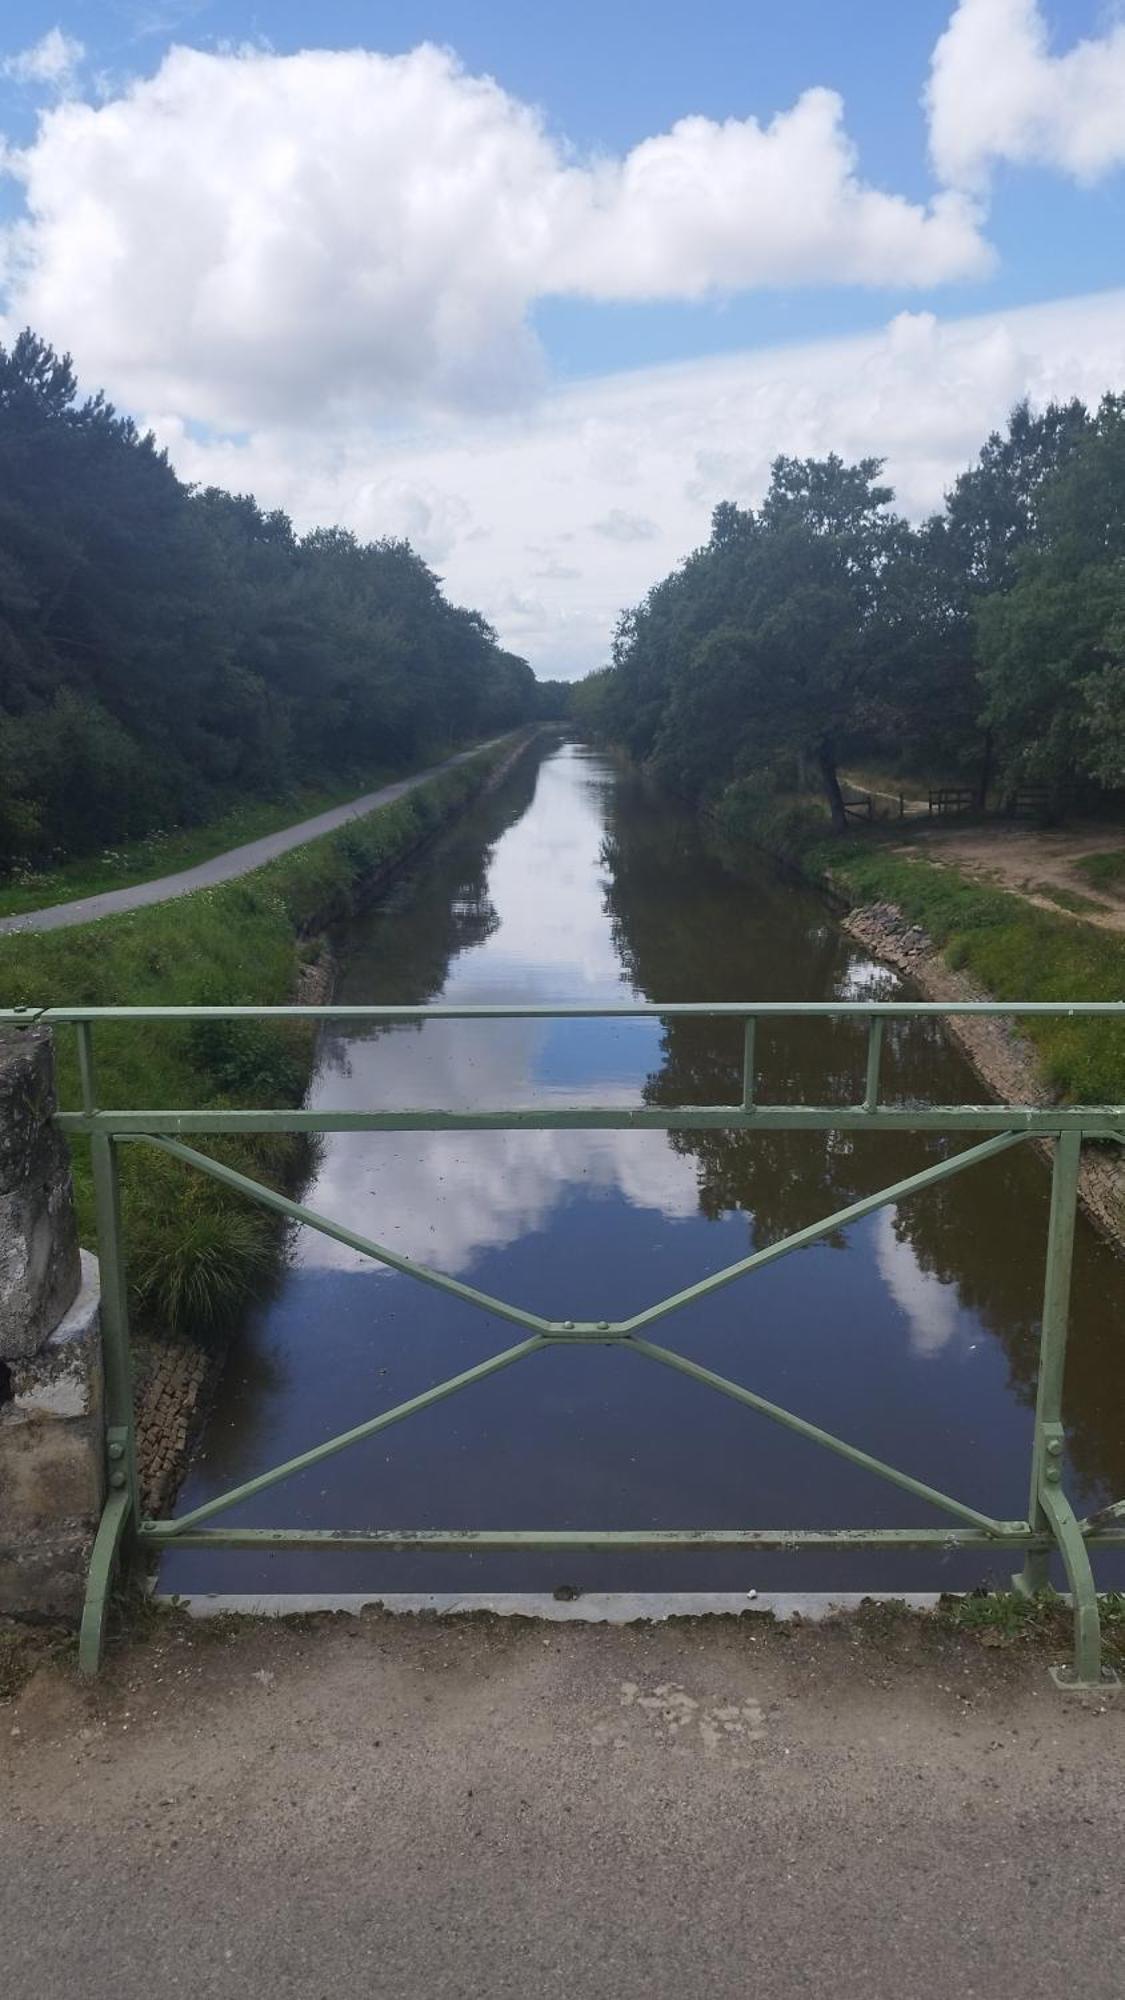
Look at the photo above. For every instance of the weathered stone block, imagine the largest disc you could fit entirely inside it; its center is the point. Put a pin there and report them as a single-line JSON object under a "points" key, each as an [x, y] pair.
{"points": [[39, 1268], [52, 1462], [44, 1576]]}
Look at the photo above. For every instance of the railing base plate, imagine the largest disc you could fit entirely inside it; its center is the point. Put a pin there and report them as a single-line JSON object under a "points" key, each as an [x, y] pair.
{"points": [[1067, 1679]]}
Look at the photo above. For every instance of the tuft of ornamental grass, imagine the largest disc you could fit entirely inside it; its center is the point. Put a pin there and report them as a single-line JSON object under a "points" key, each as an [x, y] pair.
{"points": [[200, 1262]]}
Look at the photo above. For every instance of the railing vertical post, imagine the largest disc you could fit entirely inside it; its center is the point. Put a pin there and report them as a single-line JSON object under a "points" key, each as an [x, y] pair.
{"points": [[1049, 1509], [115, 1316], [748, 1063], [874, 1061], [1053, 1336], [121, 1514], [84, 1032]]}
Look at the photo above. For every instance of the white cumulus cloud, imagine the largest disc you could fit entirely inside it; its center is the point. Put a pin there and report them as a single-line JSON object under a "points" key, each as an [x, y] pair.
{"points": [[661, 446], [997, 93], [246, 237], [54, 60]]}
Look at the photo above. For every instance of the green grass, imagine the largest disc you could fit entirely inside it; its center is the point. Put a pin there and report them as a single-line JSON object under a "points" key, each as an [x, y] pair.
{"points": [[195, 1251], [1006, 1617], [1016, 951], [178, 848], [1067, 899], [1104, 871]]}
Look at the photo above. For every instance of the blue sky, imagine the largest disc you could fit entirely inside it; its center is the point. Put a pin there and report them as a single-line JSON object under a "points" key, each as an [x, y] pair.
{"points": [[352, 335]]}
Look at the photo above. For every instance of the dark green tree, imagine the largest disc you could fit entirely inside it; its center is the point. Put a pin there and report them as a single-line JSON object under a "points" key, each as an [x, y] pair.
{"points": [[165, 652]]}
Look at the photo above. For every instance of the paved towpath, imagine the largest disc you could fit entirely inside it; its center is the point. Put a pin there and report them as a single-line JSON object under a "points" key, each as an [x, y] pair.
{"points": [[224, 867], [492, 1810]]}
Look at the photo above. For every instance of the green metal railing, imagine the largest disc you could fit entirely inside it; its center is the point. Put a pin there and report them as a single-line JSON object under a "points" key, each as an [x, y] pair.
{"points": [[1050, 1522]]}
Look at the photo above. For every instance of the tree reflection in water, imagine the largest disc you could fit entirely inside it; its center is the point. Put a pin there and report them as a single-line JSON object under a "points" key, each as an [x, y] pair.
{"points": [[984, 1233]]}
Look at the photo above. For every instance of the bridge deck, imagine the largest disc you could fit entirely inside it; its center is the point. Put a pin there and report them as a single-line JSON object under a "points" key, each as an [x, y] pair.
{"points": [[500, 1808]]}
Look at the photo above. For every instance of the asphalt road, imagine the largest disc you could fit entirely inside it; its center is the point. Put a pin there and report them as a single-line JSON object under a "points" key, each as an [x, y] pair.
{"points": [[412, 1809], [224, 867]]}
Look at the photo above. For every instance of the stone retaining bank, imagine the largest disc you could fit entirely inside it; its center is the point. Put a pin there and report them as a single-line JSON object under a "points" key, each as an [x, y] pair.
{"points": [[169, 1407]]}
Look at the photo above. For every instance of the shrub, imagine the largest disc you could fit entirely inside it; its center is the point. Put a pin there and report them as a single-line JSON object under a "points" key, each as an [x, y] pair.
{"points": [[199, 1262], [247, 1059]]}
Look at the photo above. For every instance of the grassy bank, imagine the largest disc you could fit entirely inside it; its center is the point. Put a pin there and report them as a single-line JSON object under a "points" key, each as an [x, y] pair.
{"points": [[184, 847], [196, 1252], [1015, 951]]}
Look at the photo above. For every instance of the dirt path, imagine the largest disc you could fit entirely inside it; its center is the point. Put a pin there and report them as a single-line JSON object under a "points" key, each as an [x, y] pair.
{"points": [[224, 867], [504, 1808], [1029, 861]]}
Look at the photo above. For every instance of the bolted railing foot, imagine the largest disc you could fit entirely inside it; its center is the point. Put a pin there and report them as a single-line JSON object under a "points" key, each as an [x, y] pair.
{"points": [[116, 1516], [1088, 1671], [1068, 1679]]}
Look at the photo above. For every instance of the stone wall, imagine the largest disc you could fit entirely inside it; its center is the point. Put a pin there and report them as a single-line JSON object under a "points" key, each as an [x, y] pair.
{"points": [[167, 1410], [38, 1234], [51, 1387]]}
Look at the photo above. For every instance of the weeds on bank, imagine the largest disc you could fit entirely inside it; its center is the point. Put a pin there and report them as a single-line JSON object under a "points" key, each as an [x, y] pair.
{"points": [[1104, 871]]}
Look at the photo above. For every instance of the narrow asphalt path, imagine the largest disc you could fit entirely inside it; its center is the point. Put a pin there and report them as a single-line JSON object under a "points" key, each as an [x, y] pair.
{"points": [[224, 867]]}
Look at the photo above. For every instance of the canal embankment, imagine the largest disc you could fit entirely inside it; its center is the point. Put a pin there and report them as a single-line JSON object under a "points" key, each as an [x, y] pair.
{"points": [[957, 938], [196, 1258]]}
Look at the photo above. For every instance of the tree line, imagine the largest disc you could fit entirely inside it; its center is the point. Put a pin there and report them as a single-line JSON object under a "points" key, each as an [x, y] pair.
{"points": [[984, 646], [165, 651]]}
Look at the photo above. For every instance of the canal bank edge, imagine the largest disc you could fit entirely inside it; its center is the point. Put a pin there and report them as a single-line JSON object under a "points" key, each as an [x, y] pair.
{"points": [[174, 1399], [997, 1052], [259, 938], [176, 1394], [1005, 1060]]}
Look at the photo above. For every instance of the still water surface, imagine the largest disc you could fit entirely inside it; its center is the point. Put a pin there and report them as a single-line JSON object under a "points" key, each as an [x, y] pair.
{"points": [[912, 1334]]}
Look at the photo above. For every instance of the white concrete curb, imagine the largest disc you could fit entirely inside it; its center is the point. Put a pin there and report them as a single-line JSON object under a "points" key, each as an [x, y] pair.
{"points": [[590, 1607]]}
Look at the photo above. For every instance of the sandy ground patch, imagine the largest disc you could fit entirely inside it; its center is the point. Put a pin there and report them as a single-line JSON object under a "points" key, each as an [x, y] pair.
{"points": [[1027, 859]]}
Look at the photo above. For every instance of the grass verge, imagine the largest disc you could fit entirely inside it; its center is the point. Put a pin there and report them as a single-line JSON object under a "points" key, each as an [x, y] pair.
{"points": [[1104, 871], [181, 847], [196, 1252], [1068, 899]]}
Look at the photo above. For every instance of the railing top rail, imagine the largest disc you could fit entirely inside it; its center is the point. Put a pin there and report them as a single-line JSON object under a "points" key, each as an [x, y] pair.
{"points": [[738, 1010]]}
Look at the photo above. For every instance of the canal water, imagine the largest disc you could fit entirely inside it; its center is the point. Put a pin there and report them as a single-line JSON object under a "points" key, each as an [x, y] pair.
{"points": [[912, 1334]]}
